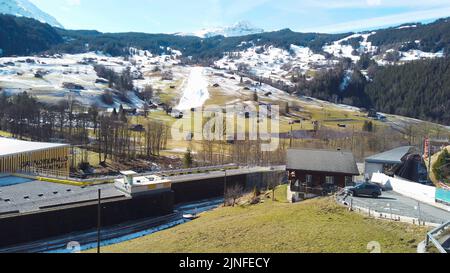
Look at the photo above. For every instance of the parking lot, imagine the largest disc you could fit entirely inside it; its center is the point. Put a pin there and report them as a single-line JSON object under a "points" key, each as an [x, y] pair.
{"points": [[393, 203]]}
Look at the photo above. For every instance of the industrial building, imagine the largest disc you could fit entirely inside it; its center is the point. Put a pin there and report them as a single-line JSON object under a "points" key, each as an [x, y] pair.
{"points": [[26, 156], [404, 162], [385, 162]]}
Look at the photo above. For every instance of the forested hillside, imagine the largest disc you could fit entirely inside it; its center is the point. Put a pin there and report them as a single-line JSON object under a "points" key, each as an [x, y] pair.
{"points": [[200, 49], [431, 37], [418, 89], [24, 36], [21, 36]]}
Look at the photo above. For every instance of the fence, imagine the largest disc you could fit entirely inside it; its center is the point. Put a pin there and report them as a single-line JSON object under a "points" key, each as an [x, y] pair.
{"points": [[301, 192], [54, 176], [414, 190], [390, 210], [319, 191], [432, 237]]}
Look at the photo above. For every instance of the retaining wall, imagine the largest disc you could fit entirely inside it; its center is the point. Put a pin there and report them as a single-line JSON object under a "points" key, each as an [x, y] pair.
{"points": [[56, 221], [423, 193], [210, 188]]}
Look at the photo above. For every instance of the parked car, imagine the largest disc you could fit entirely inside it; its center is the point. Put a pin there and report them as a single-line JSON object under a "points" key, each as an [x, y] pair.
{"points": [[366, 189]]}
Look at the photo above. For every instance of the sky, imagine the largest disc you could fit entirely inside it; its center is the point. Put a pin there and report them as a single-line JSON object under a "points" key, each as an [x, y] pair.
{"points": [[171, 16]]}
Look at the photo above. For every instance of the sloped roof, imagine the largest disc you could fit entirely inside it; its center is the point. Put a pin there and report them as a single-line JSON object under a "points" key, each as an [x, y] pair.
{"points": [[9, 146], [393, 156], [322, 161]]}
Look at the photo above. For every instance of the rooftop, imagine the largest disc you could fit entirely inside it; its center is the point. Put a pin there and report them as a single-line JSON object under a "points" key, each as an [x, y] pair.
{"points": [[10, 146], [35, 195], [322, 161], [393, 156], [128, 173], [146, 180]]}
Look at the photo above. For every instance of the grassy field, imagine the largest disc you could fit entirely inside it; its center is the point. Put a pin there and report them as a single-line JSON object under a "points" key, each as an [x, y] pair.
{"points": [[5, 134], [313, 226]]}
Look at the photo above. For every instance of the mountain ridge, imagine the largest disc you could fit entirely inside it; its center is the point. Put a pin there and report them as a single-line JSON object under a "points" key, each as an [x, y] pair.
{"points": [[238, 29], [27, 9]]}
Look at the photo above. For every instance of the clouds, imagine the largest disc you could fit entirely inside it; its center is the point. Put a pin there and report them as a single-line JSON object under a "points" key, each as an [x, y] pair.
{"points": [[236, 7], [360, 4], [373, 2], [188, 16], [352, 15], [384, 21], [73, 2]]}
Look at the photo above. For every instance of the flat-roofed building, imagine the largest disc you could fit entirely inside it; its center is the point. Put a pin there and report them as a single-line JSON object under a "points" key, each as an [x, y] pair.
{"points": [[27, 156], [133, 185], [386, 162]]}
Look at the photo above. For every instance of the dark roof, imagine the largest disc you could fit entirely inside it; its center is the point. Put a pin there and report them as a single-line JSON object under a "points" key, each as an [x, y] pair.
{"points": [[322, 161], [17, 193], [393, 156]]}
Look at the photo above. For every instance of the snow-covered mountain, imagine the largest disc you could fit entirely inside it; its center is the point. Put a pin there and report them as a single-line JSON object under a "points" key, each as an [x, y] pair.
{"points": [[24, 8], [239, 29]]}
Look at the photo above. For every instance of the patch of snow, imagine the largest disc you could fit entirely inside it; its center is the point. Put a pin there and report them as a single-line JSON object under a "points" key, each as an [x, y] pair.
{"points": [[18, 74], [346, 80], [195, 92], [414, 54], [405, 27], [366, 46], [275, 63], [239, 29], [305, 54], [340, 50]]}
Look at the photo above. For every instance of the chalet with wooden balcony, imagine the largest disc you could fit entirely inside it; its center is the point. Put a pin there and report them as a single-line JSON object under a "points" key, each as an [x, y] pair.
{"points": [[318, 172]]}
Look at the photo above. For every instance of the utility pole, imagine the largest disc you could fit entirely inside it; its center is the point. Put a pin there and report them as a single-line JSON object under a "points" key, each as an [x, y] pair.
{"points": [[429, 159], [225, 187], [420, 213], [99, 210], [291, 135]]}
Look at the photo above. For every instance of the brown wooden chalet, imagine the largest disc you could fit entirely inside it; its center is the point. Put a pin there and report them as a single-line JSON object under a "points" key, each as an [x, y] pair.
{"points": [[314, 172]]}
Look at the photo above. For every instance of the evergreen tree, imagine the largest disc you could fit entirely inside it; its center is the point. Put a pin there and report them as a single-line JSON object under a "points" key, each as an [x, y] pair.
{"points": [[188, 159]]}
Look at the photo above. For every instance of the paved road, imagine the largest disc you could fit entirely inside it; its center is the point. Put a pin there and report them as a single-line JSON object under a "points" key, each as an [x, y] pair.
{"points": [[403, 206]]}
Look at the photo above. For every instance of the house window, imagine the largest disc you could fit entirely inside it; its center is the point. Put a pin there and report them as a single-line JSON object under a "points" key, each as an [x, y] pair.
{"points": [[348, 180], [329, 180], [292, 175], [309, 179]]}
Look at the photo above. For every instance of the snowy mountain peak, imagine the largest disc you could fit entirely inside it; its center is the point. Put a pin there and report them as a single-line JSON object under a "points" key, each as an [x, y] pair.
{"points": [[24, 8], [241, 28]]}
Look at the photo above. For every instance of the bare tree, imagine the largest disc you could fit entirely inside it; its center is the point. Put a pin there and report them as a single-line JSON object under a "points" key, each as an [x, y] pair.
{"points": [[273, 181], [233, 194]]}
